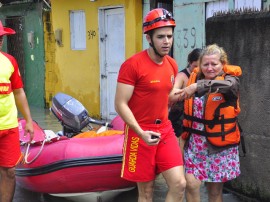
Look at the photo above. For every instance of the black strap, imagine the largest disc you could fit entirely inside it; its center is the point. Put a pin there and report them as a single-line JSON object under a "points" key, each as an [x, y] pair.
{"points": [[208, 134], [185, 71], [210, 122], [242, 139]]}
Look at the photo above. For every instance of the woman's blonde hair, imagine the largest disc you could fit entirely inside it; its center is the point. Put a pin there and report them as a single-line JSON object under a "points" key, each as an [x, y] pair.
{"points": [[213, 49]]}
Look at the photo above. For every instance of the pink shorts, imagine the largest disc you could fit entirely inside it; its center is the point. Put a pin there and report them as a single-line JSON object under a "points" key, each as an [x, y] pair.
{"points": [[10, 152], [141, 162]]}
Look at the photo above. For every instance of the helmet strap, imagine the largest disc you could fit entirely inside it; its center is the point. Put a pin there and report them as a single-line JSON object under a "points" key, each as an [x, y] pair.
{"points": [[154, 48]]}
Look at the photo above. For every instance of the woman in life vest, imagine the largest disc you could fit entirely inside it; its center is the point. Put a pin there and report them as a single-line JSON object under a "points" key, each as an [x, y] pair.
{"points": [[211, 131], [177, 107]]}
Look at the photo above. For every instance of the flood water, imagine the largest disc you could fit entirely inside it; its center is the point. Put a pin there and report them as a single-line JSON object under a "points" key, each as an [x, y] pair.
{"points": [[47, 121]]}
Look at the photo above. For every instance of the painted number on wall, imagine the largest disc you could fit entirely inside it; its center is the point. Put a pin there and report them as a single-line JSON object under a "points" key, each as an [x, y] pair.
{"points": [[186, 38], [91, 34]]}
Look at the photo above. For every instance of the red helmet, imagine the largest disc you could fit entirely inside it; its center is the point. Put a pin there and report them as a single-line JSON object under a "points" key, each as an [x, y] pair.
{"points": [[157, 18], [5, 30]]}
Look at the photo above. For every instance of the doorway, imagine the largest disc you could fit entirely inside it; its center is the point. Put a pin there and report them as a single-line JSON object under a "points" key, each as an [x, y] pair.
{"points": [[15, 42], [112, 55]]}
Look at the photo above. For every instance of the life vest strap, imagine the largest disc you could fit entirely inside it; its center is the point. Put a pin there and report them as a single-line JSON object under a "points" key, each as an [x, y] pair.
{"points": [[210, 122], [208, 134]]}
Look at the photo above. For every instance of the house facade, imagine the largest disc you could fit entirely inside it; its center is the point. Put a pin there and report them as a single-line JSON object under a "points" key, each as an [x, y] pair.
{"points": [[77, 47], [92, 39]]}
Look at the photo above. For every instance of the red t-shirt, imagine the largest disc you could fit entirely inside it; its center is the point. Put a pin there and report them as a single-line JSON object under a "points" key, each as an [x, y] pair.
{"points": [[152, 84]]}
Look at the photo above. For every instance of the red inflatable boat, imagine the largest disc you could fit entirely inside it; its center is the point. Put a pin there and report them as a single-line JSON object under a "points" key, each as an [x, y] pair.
{"points": [[62, 165]]}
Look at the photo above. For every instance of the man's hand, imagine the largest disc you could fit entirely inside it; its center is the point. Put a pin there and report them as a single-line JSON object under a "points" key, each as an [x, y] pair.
{"points": [[178, 94], [29, 129], [188, 91], [150, 137]]}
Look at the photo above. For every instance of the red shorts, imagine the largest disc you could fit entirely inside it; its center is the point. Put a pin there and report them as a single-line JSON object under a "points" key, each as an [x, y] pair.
{"points": [[10, 152], [141, 162]]}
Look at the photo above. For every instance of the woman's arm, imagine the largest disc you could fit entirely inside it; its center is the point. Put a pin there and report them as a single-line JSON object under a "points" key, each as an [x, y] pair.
{"points": [[230, 85]]}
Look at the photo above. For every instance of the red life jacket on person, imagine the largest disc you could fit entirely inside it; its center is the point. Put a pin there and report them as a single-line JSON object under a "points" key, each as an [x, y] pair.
{"points": [[220, 118]]}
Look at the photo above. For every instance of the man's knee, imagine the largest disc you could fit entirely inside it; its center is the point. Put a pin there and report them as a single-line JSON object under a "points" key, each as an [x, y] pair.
{"points": [[8, 172], [145, 190], [11, 172]]}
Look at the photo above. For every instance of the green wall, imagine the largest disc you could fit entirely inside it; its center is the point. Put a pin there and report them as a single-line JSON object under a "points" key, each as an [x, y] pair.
{"points": [[33, 57]]}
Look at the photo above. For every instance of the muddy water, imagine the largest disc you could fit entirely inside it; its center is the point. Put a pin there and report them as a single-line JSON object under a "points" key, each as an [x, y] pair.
{"points": [[22, 195], [47, 121]]}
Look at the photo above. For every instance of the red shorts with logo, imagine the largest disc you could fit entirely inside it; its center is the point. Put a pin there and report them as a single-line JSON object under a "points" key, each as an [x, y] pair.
{"points": [[10, 152], [141, 162]]}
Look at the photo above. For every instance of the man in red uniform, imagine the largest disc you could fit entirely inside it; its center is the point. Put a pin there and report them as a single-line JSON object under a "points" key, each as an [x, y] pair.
{"points": [[12, 96], [144, 83]]}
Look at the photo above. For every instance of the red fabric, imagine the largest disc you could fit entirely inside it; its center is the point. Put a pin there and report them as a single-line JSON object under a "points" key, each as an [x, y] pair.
{"points": [[142, 162], [5, 88], [10, 153], [153, 83]]}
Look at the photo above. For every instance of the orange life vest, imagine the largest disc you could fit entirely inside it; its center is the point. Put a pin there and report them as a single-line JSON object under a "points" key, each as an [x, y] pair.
{"points": [[219, 119]]}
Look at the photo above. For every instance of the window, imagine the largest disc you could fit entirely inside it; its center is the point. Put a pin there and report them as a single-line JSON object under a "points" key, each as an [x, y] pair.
{"points": [[245, 4], [167, 4], [212, 7], [77, 30]]}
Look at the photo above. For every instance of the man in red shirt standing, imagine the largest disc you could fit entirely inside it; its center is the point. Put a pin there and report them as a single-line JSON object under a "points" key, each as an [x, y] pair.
{"points": [[12, 96], [143, 86]]}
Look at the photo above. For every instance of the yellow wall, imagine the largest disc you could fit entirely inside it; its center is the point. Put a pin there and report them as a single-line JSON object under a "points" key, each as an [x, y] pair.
{"points": [[49, 46], [77, 73]]}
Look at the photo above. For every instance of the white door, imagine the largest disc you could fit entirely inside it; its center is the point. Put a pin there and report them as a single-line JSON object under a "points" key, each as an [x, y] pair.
{"points": [[112, 55]]}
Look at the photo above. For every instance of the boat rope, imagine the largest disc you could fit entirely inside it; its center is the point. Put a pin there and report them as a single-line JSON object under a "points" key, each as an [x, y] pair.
{"points": [[26, 154]]}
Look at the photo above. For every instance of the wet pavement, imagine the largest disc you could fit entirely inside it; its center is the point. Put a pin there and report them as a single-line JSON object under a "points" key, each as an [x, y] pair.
{"points": [[47, 121]]}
